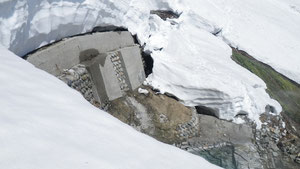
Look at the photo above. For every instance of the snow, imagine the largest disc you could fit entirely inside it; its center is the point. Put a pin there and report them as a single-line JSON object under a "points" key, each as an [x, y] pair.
{"points": [[143, 91], [193, 64], [45, 124], [197, 67], [141, 113], [268, 30]]}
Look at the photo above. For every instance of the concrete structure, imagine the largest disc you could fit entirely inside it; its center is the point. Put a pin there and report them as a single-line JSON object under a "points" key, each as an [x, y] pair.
{"points": [[112, 59], [65, 54]]}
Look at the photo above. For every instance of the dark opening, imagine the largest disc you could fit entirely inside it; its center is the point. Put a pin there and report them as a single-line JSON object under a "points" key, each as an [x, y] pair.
{"points": [[269, 109], [172, 96], [241, 113], [148, 63], [217, 32], [135, 38], [206, 111], [165, 14], [108, 28], [146, 57]]}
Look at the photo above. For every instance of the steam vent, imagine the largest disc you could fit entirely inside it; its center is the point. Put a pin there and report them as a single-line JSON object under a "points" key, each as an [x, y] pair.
{"points": [[101, 66]]}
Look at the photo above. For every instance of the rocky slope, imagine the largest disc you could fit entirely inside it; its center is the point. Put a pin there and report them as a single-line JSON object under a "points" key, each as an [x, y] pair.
{"points": [[229, 145], [281, 88]]}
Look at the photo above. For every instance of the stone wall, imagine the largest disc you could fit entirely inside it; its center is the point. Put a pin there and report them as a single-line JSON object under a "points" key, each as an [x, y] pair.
{"points": [[79, 79], [189, 129], [119, 71]]}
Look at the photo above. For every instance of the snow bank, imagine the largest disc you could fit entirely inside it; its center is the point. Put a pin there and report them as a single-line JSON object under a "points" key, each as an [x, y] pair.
{"points": [[45, 124], [197, 67], [268, 30], [193, 64]]}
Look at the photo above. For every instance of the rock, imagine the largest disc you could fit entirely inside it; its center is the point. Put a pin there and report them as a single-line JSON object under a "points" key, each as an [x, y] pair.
{"points": [[275, 154], [297, 159], [78, 78]]}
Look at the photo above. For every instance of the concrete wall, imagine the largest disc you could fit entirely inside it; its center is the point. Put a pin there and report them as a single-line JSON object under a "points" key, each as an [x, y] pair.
{"points": [[112, 59], [65, 54], [112, 86], [99, 85], [134, 66]]}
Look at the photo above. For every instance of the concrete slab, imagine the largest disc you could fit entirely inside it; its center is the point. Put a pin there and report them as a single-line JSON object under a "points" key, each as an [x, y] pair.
{"points": [[105, 42], [111, 82], [103, 74], [112, 59], [55, 58], [65, 54], [99, 86], [132, 61]]}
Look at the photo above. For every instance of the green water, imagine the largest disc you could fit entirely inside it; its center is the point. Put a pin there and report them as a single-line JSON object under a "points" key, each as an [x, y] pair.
{"points": [[223, 156], [280, 88]]}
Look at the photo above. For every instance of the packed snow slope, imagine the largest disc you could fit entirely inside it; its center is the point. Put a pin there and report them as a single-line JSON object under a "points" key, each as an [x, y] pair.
{"points": [[189, 61], [46, 125], [269, 30]]}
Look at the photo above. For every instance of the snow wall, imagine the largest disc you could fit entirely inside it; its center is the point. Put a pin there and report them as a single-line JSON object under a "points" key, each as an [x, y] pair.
{"points": [[193, 64]]}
